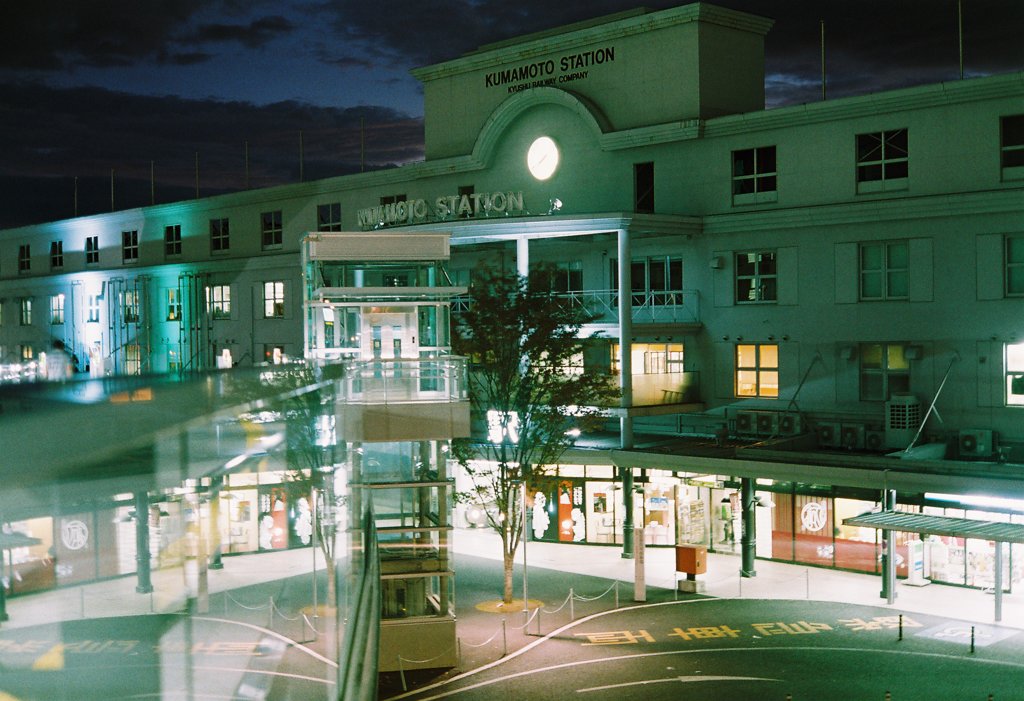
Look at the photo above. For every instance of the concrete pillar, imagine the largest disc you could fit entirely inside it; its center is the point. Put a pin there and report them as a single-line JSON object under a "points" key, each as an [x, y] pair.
{"points": [[523, 256], [144, 582], [888, 552], [999, 582], [748, 538], [626, 383]]}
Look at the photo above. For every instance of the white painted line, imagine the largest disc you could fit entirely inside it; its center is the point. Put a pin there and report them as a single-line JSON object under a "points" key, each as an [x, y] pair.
{"points": [[682, 680]]}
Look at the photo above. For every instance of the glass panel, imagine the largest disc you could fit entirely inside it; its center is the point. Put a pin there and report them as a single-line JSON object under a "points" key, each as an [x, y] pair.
{"points": [[1015, 249], [871, 285], [769, 384], [746, 383], [871, 386], [746, 356], [743, 162], [896, 144], [1013, 130], [869, 147], [898, 284], [871, 356], [746, 263], [769, 356], [768, 292], [896, 359], [898, 255], [871, 257], [745, 291], [1015, 357], [767, 263], [899, 383], [766, 159]]}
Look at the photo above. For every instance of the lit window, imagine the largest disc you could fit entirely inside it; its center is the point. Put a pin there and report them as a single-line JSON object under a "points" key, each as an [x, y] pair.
{"points": [[26, 311], [1015, 374], [130, 306], [271, 229], [218, 301], [756, 277], [172, 240], [220, 235], [92, 309], [884, 270], [650, 358], [273, 299], [884, 371], [1012, 146], [92, 249], [328, 217], [757, 370], [57, 309], [1015, 265], [24, 258], [28, 353], [129, 246], [132, 359], [882, 161], [753, 175], [56, 255], [173, 305]]}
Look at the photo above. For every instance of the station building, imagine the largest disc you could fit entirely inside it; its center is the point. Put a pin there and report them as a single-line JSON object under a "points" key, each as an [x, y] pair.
{"points": [[825, 300]]}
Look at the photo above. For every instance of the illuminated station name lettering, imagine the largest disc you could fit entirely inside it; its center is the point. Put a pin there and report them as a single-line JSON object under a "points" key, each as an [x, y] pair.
{"points": [[543, 69], [445, 206]]}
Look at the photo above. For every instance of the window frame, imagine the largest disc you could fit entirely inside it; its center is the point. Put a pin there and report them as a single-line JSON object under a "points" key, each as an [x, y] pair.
{"points": [[759, 281], [172, 240], [761, 369], [130, 246], [25, 315], [1011, 153], [884, 371], [271, 230], [57, 309], [668, 295], [174, 306], [1013, 372], [328, 216], [764, 182], [92, 309], [1013, 266], [56, 255], [92, 250], [220, 235], [24, 258], [886, 271], [273, 299], [218, 309], [643, 187], [873, 174]]}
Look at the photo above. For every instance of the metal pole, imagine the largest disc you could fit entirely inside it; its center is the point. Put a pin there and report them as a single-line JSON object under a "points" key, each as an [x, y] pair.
{"points": [[523, 536], [888, 551], [748, 538], [999, 581], [960, 34], [822, 59]]}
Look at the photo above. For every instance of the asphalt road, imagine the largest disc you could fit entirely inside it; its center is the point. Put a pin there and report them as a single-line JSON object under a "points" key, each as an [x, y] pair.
{"points": [[752, 649]]}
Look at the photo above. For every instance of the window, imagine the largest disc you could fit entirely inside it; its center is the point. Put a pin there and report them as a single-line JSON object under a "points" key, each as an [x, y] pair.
{"points": [[392, 199], [27, 353], [884, 371], [757, 370], [1015, 374], [883, 270], [130, 306], [56, 309], [643, 187], [273, 299], [26, 311], [567, 277], [651, 358], [1015, 265], [220, 239], [92, 249], [753, 175], [92, 309], [132, 359], [129, 246], [756, 277], [273, 353], [173, 305], [1012, 146], [24, 258], [218, 301], [270, 228], [56, 255], [656, 281], [882, 162], [328, 217], [172, 240]]}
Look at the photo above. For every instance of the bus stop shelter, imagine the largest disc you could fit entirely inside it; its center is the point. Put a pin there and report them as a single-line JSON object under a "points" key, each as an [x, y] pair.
{"points": [[953, 527]]}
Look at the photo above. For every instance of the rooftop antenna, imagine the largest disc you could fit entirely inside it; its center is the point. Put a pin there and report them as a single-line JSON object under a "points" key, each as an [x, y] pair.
{"points": [[822, 23], [960, 33], [300, 157], [76, 195], [111, 189], [152, 183], [362, 145], [197, 175], [246, 164]]}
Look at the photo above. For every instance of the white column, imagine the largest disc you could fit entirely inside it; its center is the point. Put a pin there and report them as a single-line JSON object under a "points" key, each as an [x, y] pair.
{"points": [[523, 256]]}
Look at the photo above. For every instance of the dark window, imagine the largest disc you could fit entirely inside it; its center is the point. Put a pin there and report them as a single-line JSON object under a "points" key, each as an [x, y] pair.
{"points": [[753, 173], [220, 235], [92, 249], [882, 156], [56, 255], [172, 240], [129, 246], [756, 277], [643, 187], [271, 229], [24, 258], [1012, 135], [328, 217]]}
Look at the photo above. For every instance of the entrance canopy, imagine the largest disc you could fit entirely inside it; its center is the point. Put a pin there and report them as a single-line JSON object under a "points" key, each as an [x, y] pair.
{"points": [[940, 525]]}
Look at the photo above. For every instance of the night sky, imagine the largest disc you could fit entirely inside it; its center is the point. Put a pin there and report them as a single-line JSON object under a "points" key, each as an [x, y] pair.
{"points": [[91, 86]]}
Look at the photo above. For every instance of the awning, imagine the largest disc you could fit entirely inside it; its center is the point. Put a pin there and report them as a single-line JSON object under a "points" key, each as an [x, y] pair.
{"points": [[940, 525]]}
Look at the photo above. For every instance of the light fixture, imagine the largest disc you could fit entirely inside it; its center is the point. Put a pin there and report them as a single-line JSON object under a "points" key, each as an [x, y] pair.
{"points": [[555, 205]]}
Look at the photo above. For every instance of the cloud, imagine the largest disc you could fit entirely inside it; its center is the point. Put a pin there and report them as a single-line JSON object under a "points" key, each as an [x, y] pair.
{"points": [[252, 35]]}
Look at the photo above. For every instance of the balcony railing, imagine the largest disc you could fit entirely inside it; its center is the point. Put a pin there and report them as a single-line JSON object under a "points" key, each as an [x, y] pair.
{"points": [[404, 381], [658, 307]]}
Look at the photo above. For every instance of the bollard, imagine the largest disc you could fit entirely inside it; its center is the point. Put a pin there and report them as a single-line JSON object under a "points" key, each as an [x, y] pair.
{"points": [[789, 697], [807, 580], [458, 650], [972, 640], [901, 627], [401, 673], [538, 619], [888, 696], [572, 605], [504, 638], [617, 593]]}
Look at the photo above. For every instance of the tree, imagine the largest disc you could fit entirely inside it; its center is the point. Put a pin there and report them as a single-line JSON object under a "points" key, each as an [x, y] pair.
{"points": [[526, 381]]}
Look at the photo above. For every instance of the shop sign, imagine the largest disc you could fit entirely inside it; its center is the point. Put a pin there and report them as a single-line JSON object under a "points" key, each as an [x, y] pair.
{"points": [[74, 534], [466, 206], [814, 516], [548, 72]]}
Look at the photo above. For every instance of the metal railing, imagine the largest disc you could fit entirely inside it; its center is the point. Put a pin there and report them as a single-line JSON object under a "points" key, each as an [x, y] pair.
{"points": [[662, 306], [403, 381]]}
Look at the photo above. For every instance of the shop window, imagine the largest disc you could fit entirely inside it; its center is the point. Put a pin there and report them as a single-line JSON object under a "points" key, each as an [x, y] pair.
{"points": [[643, 187], [1012, 146], [218, 301], [92, 249], [271, 230], [753, 176], [756, 277], [757, 370], [56, 255], [328, 217], [24, 258], [26, 311], [882, 161], [173, 305], [220, 235], [273, 299], [655, 281], [129, 246], [884, 270], [884, 371], [1015, 374], [1014, 266], [172, 240], [56, 309]]}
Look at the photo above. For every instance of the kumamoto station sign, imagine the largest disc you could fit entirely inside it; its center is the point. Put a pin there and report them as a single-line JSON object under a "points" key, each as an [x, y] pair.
{"points": [[563, 69], [444, 207]]}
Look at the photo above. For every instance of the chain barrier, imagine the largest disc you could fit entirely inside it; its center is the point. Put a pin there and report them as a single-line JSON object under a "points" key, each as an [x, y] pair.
{"points": [[564, 604], [594, 598], [239, 604], [528, 619]]}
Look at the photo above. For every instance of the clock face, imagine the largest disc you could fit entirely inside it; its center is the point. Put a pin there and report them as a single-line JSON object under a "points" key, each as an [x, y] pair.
{"points": [[542, 158]]}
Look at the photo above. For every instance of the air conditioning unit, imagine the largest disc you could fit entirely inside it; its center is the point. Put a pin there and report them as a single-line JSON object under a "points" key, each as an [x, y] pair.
{"points": [[902, 419], [767, 423], [852, 436], [829, 434], [976, 443], [746, 423], [790, 425], [874, 439]]}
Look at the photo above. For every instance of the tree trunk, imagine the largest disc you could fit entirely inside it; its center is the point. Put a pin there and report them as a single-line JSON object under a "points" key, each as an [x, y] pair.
{"points": [[509, 559]]}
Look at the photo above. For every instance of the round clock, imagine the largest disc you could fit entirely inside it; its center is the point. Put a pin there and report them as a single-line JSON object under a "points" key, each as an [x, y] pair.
{"points": [[542, 158]]}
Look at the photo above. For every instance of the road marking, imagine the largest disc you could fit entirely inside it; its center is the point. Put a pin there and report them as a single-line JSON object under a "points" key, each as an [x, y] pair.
{"points": [[682, 680]]}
